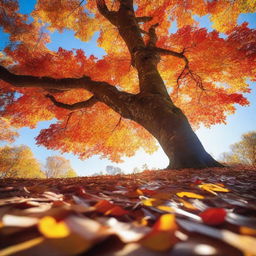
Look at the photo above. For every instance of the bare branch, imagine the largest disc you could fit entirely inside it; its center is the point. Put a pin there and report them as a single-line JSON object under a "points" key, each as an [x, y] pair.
{"points": [[186, 70], [118, 123], [75, 106], [75, 8]]}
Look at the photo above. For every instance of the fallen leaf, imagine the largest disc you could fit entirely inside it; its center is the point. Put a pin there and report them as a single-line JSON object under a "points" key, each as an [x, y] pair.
{"points": [[103, 206], [212, 188], [159, 241], [244, 243], [165, 208], [127, 232], [50, 228], [87, 228], [116, 211], [162, 237], [190, 195], [146, 192], [213, 216], [18, 221], [247, 231], [187, 204]]}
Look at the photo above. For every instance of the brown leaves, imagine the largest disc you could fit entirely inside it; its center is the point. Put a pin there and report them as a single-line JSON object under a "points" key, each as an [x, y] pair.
{"points": [[148, 213]]}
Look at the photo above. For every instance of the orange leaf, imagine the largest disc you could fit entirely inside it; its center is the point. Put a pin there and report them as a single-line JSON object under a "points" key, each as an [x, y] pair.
{"points": [[188, 205], [146, 192], [116, 211], [247, 231]]}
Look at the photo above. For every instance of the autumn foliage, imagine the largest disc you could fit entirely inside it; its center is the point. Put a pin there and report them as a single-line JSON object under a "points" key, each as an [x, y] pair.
{"points": [[220, 65]]}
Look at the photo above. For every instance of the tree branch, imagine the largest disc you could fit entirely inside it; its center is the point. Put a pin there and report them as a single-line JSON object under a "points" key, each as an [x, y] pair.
{"points": [[43, 82], [180, 55], [144, 19], [186, 70], [105, 92], [103, 9], [83, 104], [152, 35]]}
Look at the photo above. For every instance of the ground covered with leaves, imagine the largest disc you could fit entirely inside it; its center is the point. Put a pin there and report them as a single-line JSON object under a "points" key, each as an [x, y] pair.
{"points": [[176, 213]]}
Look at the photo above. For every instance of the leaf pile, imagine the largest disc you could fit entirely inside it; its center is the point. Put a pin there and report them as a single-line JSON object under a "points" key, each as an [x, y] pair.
{"points": [[187, 212]]}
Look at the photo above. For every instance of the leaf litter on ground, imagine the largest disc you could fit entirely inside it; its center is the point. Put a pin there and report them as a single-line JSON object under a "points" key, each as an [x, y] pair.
{"points": [[166, 212]]}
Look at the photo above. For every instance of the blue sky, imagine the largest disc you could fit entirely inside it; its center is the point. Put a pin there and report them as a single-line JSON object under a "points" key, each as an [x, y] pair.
{"points": [[216, 139]]}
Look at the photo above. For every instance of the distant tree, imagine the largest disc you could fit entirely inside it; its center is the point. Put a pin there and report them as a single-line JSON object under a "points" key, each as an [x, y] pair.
{"points": [[242, 152], [144, 167], [98, 173], [7, 133], [19, 162], [113, 170], [59, 167], [136, 170]]}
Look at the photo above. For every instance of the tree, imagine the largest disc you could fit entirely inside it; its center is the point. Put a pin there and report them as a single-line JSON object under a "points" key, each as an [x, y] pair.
{"points": [[113, 170], [58, 167], [7, 133], [150, 84], [242, 152], [19, 162]]}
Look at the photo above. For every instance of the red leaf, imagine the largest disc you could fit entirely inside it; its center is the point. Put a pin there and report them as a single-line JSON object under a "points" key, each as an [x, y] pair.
{"points": [[103, 206], [213, 216], [116, 211]]}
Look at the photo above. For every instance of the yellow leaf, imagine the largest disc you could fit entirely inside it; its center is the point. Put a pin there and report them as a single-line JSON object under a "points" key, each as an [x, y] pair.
{"points": [[52, 229], [190, 195], [162, 237], [212, 188], [150, 202], [165, 208], [159, 241], [166, 223]]}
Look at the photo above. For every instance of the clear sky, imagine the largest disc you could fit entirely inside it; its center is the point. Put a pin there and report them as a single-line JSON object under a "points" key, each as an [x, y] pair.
{"points": [[216, 139]]}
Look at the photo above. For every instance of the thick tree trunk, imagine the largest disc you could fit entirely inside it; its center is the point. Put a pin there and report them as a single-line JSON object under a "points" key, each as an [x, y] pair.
{"points": [[171, 128]]}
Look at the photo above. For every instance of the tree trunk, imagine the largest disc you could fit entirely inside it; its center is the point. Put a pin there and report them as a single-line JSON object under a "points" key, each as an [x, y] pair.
{"points": [[170, 127]]}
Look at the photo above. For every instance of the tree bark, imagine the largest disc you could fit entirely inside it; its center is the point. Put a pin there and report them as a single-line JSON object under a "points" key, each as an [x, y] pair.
{"points": [[170, 127]]}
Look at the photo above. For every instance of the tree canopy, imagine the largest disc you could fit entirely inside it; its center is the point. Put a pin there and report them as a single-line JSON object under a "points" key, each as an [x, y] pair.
{"points": [[7, 133], [242, 152], [58, 167], [205, 72], [19, 162]]}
